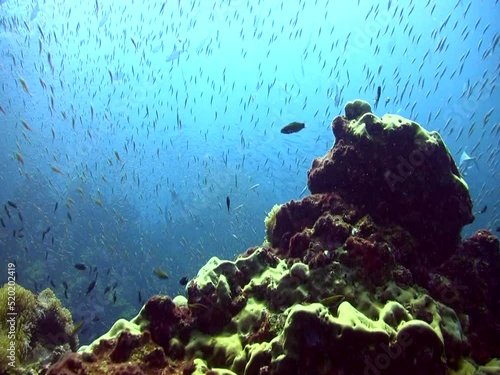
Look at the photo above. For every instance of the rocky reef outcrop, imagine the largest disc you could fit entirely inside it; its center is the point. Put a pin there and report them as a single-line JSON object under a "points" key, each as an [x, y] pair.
{"points": [[367, 275], [35, 331], [394, 170]]}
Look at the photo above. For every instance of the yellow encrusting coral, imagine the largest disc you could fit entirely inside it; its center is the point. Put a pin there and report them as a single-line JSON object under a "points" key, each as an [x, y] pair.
{"points": [[270, 220]]}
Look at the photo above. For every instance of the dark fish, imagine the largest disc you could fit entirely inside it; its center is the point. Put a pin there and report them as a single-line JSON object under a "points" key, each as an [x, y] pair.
{"points": [[69, 217], [139, 296], [80, 266], [46, 254], [91, 287], [183, 281], [228, 203], [12, 204], [52, 240], [52, 283], [55, 207], [1, 221], [483, 210], [66, 293], [44, 233], [293, 127], [107, 289], [115, 285], [377, 98], [6, 210], [95, 318], [64, 284], [36, 288], [20, 215], [114, 297]]}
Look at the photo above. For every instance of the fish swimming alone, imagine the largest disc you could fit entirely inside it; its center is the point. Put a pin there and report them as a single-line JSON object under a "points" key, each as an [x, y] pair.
{"points": [[482, 210], [377, 98], [44, 233], [293, 127], [183, 280], [464, 163], [91, 287], [160, 273]]}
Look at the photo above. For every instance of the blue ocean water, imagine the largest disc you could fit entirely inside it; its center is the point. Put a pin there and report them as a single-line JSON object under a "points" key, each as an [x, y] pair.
{"points": [[125, 126]]}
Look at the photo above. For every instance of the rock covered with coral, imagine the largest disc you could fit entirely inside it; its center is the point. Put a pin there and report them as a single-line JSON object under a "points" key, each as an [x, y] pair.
{"points": [[353, 279], [397, 172], [44, 330]]}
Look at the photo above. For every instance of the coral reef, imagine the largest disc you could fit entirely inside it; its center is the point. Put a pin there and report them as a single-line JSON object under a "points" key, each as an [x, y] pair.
{"points": [[367, 275], [43, 330], [398, 173]]}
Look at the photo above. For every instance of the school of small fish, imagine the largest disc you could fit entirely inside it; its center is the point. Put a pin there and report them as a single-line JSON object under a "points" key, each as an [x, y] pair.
{"points": [[139, 139]]}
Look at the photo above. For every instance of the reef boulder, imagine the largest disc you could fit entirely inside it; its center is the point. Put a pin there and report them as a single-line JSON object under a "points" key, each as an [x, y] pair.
{"points": [[397, 172]]}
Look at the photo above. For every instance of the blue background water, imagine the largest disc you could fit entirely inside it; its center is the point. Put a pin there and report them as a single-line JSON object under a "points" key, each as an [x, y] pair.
{"points": [[232, 73]]}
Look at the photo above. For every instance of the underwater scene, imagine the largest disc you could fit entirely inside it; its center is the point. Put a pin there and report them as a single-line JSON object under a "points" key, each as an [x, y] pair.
{"points": [[249, 187]]}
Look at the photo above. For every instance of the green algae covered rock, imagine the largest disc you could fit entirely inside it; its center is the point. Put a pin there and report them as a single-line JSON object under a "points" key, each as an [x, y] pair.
{"points": [[289, 325], [41, 330], [397, 172], [356, 108], [134, 326], [314, 340], [25, 308]]}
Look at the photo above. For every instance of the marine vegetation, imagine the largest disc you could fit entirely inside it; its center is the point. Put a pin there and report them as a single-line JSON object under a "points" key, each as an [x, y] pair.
{"points": [[25, 308], [43, 330]]}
